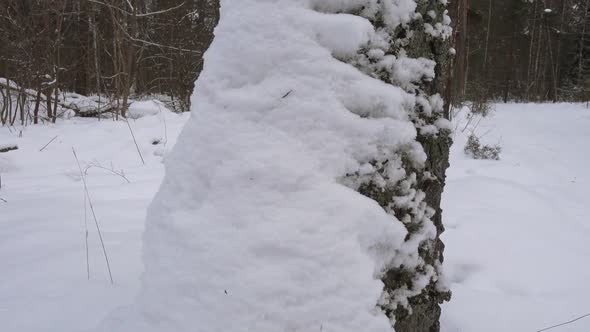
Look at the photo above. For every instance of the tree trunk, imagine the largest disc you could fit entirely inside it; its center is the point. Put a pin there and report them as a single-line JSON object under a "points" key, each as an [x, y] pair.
{"points": [[37, 102], [422, 311]]}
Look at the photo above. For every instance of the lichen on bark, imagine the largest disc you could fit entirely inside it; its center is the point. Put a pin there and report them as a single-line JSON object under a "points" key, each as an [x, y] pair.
{"points": [[413, 292]]}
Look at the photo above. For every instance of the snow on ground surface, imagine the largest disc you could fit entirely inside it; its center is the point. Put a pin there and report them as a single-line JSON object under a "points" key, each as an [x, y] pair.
{"points": [[517, 229], [43, 278]]}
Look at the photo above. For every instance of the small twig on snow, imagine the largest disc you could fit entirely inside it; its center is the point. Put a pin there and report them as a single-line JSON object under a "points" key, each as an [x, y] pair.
{"points": [[86, 239], [287, 94], [111, 170], [135, 141], [104, 250], [46, 145], [564, 323]]}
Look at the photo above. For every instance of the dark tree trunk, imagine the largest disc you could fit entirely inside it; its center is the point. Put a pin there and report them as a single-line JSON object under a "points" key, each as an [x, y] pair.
{"points": [[420, 310]]}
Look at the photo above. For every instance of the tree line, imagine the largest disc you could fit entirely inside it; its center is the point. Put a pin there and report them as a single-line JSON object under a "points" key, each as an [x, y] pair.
{"points": [[522, 50], [117, 49]]}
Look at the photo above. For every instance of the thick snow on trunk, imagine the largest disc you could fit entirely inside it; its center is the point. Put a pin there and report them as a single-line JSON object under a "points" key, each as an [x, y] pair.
{"points": [[252, 229]]}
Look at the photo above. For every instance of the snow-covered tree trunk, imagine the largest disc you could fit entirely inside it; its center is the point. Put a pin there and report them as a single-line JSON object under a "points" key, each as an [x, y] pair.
{"points": [[413, 293], [304, 194]]}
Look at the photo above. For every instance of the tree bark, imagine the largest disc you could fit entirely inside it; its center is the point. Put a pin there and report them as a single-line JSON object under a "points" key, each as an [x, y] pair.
{"points": [[422, 311]]}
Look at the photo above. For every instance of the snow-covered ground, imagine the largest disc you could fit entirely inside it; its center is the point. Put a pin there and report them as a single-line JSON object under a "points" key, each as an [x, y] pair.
{"points": [[43, 273], [517, 229]]}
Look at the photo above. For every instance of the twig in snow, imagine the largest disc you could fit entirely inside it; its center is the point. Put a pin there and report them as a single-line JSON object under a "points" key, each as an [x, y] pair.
{"points": [[469, 120], [287, 94], [135, 141], [564, 323], [112, 170], [46, 145], [86, 239], [3, 200], [104, 250]]}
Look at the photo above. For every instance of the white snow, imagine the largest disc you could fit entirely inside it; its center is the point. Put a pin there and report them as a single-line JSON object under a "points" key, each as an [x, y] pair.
{"points": [[143, 108], [517, 229], [516, 239], [395, 12], [253, 229], [43, 279]]}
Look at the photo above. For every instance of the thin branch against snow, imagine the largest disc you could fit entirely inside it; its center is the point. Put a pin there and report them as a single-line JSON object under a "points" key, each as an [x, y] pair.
{"points": [[46, 145], [160, 45], [135, 141], [110, 6], [160, 11], [104, 250], [137, 15], [112, 170], [147, 42], [113, 76], [564, 323], [130, 5]]}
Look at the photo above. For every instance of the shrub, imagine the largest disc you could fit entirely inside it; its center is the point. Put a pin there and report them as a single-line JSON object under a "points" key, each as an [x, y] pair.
{"points": [[476, 150]]}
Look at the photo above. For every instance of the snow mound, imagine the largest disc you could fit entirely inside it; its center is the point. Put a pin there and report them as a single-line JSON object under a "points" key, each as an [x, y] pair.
{"points": [[139, 109], [252, 229]]}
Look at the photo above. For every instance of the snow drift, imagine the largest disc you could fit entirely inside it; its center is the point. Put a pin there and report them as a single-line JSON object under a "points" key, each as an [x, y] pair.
{"points": [[252, 229]]}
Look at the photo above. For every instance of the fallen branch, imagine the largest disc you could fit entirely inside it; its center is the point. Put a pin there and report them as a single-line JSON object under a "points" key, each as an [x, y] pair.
{"points": [[108, 108], [33, 94], [6, 148], [87, 113]]}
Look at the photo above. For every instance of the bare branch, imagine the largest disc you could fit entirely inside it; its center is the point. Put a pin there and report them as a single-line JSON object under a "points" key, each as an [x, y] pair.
{"points": [[46, 145], [104, 250], [160, 11], [151, 43], [136, 15], [564, 323]]}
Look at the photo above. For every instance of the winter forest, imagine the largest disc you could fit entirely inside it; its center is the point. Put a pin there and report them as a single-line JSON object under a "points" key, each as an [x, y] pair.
{"points": [[294, 165]]}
